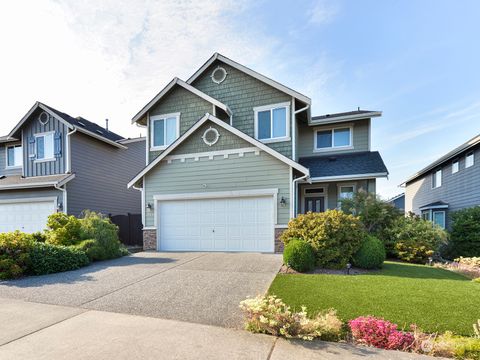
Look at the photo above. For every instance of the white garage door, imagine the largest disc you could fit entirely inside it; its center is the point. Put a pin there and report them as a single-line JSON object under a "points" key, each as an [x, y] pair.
{"points": [[230, 224], [28, 216]]}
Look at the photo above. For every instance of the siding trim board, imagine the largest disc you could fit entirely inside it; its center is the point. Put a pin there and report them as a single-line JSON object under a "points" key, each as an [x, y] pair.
{"points": [[211, 154]]}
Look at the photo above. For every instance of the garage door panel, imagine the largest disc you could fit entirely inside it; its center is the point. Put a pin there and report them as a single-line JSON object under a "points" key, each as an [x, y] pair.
{"points": [[25, 216]]}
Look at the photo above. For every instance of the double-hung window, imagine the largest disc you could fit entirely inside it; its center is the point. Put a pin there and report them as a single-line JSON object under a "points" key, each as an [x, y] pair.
{"points": [[438, 218], [272, 122], [44, 148], [164, 130], [437, 179], [14, 156], [469, 160], [337, 138], [455, 166]]}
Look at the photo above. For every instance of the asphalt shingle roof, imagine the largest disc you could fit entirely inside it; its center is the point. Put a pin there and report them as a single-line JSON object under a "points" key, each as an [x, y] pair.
{"points": [[365, 162]]}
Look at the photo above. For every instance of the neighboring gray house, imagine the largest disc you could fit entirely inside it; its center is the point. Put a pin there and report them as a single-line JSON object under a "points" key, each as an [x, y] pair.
{"points": [[234, 155], [448, 184], [398, 201], [53, 162]]}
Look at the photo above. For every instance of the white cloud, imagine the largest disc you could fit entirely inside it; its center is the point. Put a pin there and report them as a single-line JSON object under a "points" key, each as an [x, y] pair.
{"points": [[322, 12]]}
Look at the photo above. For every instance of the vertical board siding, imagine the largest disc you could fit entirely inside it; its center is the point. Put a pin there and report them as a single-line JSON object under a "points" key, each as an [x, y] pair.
{"points": [[32, 127], [101, 176], [219, 174], [3, 161], [305, 140], [242, 93]]}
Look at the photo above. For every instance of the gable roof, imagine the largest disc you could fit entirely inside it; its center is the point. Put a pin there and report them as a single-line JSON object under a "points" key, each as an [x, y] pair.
{"points": [[449, 156], [344, 116], [250, 72], [80, 124], [170, 85], [209, 117]]}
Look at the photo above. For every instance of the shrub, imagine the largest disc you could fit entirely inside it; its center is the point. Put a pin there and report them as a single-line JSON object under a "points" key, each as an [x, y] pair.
{"points": [[380, 333], [468, 261], [460, 347], [63, 229], [270, 315], [15, 250], [48, 259], [417, 239], [39, 236], [376, 215], [299, 255], [465, 233], [371, 254], [333, 235]]}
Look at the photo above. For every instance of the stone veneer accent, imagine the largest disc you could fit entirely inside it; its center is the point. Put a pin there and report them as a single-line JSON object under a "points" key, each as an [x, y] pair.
{"points": [[149, 239], [278, 242]]}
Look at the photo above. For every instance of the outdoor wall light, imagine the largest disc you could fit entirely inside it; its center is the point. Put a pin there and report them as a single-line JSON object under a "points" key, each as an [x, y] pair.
{"points": [[59, 207], [283, 202], [149, 206], [349, 266]]}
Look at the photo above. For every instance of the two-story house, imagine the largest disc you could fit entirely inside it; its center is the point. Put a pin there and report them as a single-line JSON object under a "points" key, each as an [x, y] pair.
{"points": [[53, 162], [448, 184], [234, 155]]}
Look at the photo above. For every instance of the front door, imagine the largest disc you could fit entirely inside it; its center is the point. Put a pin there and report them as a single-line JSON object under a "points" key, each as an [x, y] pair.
{"points": [[315, 204]]}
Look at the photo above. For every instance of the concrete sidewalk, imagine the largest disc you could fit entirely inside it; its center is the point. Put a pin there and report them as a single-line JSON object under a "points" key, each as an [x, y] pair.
{"points": [[39, 331]]}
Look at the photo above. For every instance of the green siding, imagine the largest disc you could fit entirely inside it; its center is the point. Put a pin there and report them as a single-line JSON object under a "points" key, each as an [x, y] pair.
{"points": [[190, 106], [235, 173], [361, 133], [195, 144], [242, 93]]}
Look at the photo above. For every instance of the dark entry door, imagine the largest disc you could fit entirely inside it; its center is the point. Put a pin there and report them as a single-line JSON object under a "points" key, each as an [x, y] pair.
{"points": [[315, 204]]}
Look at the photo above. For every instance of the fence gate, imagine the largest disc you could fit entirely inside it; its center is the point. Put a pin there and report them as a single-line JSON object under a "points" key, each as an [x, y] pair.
{"points": [[130, 229]]}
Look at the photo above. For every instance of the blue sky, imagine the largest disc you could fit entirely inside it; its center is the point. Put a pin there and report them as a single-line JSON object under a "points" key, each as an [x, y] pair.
{"points": [[417, 61]]}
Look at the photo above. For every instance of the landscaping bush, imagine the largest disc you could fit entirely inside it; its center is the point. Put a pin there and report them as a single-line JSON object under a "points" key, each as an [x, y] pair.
{"points": [[464, 234], [299, 255], [468, 261], [15, 250], [371, 254], [380, 334], [63, 229], [48, 259], [416, 239], [376, 215], [270, 315], [39, 236], [333, 235]]}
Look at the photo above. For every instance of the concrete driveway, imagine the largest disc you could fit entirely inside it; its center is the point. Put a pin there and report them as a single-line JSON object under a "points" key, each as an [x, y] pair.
{"points": [[203, 288]]}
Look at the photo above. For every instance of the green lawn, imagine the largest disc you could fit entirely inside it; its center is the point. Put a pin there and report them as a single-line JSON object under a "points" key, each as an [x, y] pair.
{"points": [[434, 299]]}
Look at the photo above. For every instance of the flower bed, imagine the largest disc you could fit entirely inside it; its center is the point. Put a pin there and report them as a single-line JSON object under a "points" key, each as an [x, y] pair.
{"points": [[469, 267]]}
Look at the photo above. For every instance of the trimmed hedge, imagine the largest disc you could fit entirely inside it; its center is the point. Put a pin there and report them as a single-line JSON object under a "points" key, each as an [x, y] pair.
{"points": [[371, 254], [48, 259], [15, 250], [299, 255]]}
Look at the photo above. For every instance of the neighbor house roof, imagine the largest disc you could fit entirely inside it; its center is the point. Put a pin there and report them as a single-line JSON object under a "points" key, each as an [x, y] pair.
{"points": [[20, 182], [449, 156], [250, 72], [344, 116], [170, 85], [208, 117], [365, 164]]}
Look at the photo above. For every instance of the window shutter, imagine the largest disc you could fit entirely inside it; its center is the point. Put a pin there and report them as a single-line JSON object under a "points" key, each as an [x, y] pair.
{"points": [[58, 144], [31, 147]]}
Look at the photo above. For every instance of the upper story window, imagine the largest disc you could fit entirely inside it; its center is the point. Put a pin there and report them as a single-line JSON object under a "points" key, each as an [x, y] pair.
{"points": [[337, 138], [469, 160], [14, 156], [164, 129], [455, 166], [437, 179], [272, 122], [44, 149]]}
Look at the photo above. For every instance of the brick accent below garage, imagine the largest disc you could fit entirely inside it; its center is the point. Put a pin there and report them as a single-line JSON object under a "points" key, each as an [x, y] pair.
{"points": [[278, 242], [149, 239]]}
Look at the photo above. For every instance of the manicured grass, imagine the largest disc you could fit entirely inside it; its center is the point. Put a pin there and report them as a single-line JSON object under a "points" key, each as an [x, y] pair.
{"points": [[435, 299]]}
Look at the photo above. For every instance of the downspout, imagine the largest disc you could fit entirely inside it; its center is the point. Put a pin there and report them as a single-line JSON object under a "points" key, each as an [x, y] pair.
{"points": [[64, 191], [295, 192], [69, 157], [143, 203]]}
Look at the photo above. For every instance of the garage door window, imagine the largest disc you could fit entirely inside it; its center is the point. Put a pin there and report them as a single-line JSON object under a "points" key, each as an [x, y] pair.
{"points": [[14, 156]]}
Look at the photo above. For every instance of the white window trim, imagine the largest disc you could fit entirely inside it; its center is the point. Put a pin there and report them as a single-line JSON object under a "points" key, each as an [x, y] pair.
{"points": [[339, 190], [434, 175], [53, 147], [333, 147], [432, 215], [6, 157], [458, 166], [258, 109], [163, 117], [473, 158]]}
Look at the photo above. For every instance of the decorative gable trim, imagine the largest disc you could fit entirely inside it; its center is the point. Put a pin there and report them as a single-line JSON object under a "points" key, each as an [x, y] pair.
{"points": [[208, 117], [250, 72], [166, 89], [211, 154]]}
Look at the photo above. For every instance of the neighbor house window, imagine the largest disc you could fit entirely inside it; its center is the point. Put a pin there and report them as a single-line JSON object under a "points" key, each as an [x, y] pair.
{"points": [[164, 130], [437, 179], [272, 122], [333, 138], [426, 215], [455, 167], [469, 160], [44, 146], [439, 218], [14, 156]]}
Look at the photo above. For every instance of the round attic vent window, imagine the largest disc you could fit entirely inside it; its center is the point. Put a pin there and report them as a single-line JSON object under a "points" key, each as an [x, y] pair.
{"points": [[43, 118], [211, 136], [219, 75]]}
